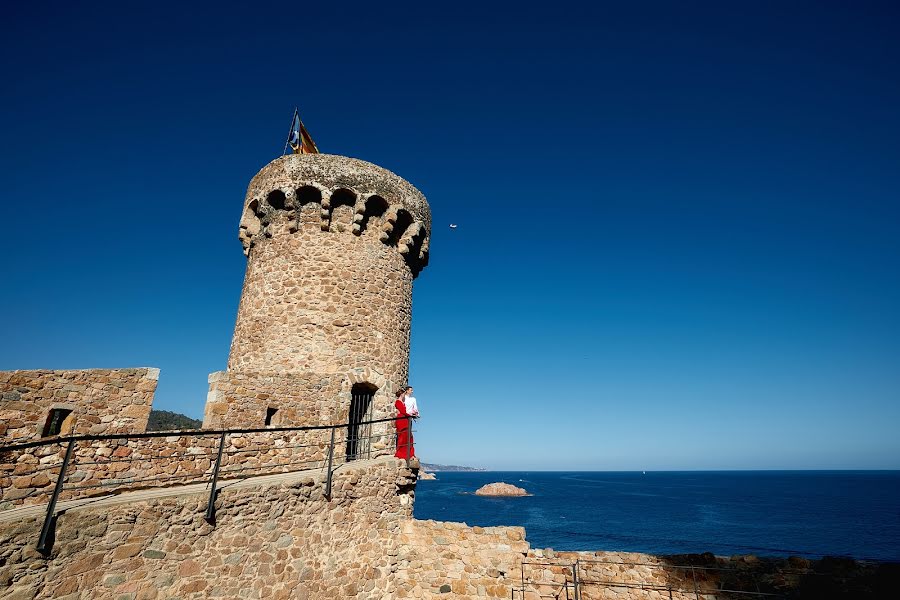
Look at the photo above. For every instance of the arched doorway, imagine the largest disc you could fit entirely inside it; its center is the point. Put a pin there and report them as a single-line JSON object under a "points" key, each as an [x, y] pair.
{"points": [[358, 430]]}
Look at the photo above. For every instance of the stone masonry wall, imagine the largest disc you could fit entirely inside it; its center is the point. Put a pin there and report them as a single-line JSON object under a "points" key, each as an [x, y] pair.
{"points": [[275, 541], [441, 560], [97, 467], [302, 399], [103, 401], [609, 576], [323, 302]]}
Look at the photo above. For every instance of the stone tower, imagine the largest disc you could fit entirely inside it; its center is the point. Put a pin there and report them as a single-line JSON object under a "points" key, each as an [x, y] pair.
{"points": [[333, 245]]}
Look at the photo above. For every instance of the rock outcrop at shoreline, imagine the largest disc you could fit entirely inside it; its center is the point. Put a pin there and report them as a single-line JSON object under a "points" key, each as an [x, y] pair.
{"points": [[500, 489], [426, 475]]}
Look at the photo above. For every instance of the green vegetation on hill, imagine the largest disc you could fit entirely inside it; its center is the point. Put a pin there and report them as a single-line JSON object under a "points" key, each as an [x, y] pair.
{"points": [[163, 420]]}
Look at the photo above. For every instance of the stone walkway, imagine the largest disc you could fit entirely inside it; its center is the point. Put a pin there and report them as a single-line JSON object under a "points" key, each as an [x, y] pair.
{"points": [[29, 512]]}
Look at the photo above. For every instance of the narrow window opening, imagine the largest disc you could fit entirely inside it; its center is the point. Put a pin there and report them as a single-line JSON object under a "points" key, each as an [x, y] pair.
{"points": [[270, 415], [359, 429], [59, 422]]}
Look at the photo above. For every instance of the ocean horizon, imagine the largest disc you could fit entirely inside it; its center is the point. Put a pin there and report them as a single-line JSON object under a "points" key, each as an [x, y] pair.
{"points": [[810, 513]]}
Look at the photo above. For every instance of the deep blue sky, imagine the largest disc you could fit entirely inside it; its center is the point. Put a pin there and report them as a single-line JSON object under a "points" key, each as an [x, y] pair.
{"points": [[679, 226]]}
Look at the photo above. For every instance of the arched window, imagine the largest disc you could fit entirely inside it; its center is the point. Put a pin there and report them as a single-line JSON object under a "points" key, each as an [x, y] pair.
{"points": [[414, 247], [375, 207], [276, 200], [309, 205], [404, 220], [340, 199]]}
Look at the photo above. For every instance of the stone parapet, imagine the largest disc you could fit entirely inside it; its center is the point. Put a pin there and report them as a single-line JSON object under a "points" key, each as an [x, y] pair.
{"points": [[101, 467], [101, 401], [440, 558]]}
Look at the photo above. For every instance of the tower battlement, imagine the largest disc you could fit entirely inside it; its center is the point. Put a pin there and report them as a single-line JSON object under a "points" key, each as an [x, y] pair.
{"points": [[336, 194]]}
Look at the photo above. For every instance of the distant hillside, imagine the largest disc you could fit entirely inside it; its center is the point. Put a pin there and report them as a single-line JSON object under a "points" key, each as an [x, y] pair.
{"points": [[435, 468], [163, 420]]}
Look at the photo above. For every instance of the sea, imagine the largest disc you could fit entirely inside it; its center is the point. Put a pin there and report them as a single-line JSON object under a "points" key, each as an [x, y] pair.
{"points": [[765, 513]]}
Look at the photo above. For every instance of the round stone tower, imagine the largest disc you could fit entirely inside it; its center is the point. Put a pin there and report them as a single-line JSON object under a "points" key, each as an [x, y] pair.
{"points": [[333, 246]]}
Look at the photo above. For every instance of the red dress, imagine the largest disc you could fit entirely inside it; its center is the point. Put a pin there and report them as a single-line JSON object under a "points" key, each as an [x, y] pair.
{"points": [[404, 433]]}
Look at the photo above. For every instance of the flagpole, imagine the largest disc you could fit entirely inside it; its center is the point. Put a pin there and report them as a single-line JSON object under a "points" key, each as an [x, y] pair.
{"points": [[290, 130]]}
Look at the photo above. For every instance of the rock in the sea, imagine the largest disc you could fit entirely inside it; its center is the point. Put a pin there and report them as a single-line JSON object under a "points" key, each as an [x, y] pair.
{"points": [[426, 475], [500, 489]]}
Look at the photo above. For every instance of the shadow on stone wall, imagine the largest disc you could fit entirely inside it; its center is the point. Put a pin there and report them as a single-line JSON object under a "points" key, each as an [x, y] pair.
{"points": [[793, 578], [635, 576]]}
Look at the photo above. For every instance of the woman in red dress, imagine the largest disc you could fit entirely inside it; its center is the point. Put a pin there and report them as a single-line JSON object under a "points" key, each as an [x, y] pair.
{"points": [[404, 432]]}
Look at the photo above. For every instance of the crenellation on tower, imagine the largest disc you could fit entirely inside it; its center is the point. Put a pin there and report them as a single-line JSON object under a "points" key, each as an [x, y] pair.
{"points": [[312, 189]]}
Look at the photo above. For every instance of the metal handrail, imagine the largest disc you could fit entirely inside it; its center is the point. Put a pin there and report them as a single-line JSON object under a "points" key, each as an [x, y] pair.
{"points": [[176, 433]]}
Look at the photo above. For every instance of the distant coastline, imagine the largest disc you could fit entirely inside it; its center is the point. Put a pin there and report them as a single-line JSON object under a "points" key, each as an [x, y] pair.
{"points": [[435, 468]]}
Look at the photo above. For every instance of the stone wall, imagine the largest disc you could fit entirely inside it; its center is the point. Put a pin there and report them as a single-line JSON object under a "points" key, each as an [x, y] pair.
{"points": [[437, 558], [608, 576], [323, 302], [238, 399], [100, 467], [102, 401], [453, 560], [276, 541]]}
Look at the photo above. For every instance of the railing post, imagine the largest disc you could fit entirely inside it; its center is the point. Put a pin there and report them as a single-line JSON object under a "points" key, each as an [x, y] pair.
{"points": [[575, 580], [44, 543], [330, 462], [211, 505]]}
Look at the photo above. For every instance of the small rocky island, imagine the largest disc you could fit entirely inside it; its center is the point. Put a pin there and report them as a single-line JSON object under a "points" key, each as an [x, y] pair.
{"points": [[500, 489]]}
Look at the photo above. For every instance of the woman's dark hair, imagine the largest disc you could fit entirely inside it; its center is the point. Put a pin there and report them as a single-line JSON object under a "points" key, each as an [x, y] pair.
{"points": [[401, 390]]}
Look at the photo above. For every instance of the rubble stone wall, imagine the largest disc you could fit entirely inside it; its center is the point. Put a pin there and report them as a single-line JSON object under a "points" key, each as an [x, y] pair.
{"points": [[238, 399], [102, 401], [99, 467], [609, 576], [323, 302], [440, 558], [278, 541]]}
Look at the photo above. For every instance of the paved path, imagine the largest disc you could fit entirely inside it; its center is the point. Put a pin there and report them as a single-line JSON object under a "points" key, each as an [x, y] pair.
{"points": [[21, 513]]}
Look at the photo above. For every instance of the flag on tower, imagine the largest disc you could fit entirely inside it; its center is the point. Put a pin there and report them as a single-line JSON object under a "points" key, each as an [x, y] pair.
{"points": [[299, 139]]}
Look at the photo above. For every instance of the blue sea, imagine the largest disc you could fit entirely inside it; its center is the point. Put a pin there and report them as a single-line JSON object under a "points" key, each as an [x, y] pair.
{"points": [[767, 513]]}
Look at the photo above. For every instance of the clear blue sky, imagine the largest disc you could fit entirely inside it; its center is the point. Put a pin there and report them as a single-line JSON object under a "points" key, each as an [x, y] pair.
{"points": [[679, 222]]}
